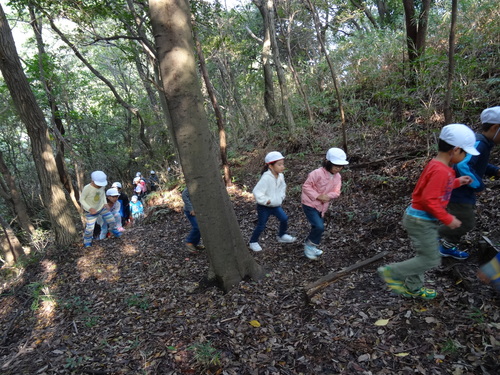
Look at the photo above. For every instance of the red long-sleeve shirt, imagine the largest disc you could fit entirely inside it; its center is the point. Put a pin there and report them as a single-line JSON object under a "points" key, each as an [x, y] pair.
{"points": [[433, 190]]}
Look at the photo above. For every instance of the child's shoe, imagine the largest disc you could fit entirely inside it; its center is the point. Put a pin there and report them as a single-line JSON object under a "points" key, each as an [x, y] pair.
{"points": [[87, 245], [191, 248], [116, 233], [316, 250], [286, 238], [423, 293], [397, 286], [310, 252], [254, 246], [452, 251]]}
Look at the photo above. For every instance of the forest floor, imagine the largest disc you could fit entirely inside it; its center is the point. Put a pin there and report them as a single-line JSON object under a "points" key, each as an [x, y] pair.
{"points": [[140, 305]]}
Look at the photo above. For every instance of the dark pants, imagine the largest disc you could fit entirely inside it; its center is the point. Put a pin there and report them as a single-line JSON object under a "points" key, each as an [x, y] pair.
{"points": [[263, 213], [317, 224], [194, 236], [463, 212]]}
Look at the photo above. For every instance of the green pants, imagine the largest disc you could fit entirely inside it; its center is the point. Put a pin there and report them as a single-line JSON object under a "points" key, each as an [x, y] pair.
{"points": [[423, 235], [463, 212]]}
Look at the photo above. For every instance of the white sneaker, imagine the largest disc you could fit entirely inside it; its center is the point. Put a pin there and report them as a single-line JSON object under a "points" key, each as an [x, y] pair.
{"points": [[254, 246], [310, 252], [286, 238], [316, 250]]}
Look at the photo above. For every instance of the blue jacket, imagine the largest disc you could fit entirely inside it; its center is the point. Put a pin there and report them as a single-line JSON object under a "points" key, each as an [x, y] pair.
{"points": [[476, 167]]}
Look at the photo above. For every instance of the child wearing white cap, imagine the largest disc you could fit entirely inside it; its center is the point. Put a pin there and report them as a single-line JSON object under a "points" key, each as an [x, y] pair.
{"points": [[321, 187], [463, 199], [93, 202], [114, 207], [428, 208], [269, 194]]}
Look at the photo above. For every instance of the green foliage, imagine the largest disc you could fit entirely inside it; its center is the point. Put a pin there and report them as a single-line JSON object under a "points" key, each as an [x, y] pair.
{"points": [[205, 354], [138, 301], [39, 292]]}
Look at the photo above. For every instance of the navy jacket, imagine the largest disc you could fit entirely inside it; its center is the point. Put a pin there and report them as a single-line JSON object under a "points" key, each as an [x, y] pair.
{"points": [[476, 167]]}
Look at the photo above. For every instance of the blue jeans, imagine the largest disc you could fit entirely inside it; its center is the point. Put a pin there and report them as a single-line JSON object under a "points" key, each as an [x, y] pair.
{"points": [[263, 213], [317, 224], [194, 236]]}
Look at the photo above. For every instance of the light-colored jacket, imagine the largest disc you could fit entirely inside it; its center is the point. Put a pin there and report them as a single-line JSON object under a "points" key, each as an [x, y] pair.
{"points": [[320, 181], [270, 189], [92, 198]]}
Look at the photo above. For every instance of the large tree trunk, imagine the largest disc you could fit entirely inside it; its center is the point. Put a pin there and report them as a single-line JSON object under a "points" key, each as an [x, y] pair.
{"points": [[451, 64], [64, 176], [54, 198], [229, 258], [11, 195]]}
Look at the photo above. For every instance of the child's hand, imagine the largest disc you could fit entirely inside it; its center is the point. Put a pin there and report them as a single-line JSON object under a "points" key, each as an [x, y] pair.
{"points": [[455, 223], [192, 213], [268, 202], [465, 180], [323, 198], [92, 211]]}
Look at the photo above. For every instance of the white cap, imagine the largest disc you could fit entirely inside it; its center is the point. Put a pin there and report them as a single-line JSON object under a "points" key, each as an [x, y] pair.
{"points": [[113, 192], [136, 180], [491, 115], [138, 189], [99, 178], [152, 172], [134, 198], [138, 174], [117, 185], [273, 156], [336, 156], [459, 135]]}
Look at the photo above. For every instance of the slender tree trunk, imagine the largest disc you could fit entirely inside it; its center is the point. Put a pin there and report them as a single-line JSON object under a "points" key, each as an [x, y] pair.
{"points": [[285, 102], [451, 64], [269, 101], [332, 72], [229, 258], [296, 77], [218, 113], [12, 195], [416, 27], [30, 113], [10, 246]]}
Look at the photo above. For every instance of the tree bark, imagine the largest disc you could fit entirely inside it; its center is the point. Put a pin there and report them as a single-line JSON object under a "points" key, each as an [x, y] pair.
{"points": [[10, 247], [12, 195], [229, 258], [332, 72], [416, 28], [218, 113], [56, 117], [451, 64], [269, 101], [32, 116]]}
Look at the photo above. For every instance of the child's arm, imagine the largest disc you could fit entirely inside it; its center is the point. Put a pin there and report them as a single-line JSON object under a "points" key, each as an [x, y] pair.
{"points": [[260, 192]]}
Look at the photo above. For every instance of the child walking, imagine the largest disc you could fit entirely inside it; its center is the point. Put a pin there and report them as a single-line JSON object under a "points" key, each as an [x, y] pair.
{"points": [[428, 208], [93, 201], [321, 187], [193, 239], [269, 194], [136, 208], [114, 207]]}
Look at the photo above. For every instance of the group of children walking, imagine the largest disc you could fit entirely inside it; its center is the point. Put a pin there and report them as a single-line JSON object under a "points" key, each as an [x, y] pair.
{"points": [[434, 226], [442, 209]]}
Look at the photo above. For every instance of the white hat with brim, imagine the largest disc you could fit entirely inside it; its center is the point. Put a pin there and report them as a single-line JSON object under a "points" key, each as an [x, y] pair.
{"points": [[460, 135], [491, 115], [113, 192], [273, 156], [336, 156], [99, 178]]}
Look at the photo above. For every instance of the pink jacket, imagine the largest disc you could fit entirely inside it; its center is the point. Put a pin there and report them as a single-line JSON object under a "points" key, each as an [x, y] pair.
{"points": [[320, 181]]}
